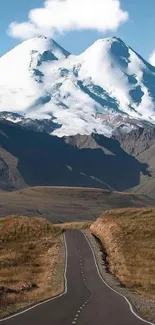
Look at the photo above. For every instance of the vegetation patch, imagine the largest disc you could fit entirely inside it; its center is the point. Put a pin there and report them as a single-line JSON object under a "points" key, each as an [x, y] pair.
{"points": [[74, 225], [128, 236], [31, 262]]}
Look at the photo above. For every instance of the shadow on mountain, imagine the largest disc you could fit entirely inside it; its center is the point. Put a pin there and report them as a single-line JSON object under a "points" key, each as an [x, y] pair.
{"points": [[136, 94], [40, 101], [100, 96], [48, 160], [149, 81]]}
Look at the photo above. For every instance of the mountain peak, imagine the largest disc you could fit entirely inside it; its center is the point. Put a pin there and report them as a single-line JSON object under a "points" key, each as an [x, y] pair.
{"points": [[109, 43], [115, 38], [112, 46], [40, 79], [111, 40], [38, 44]]}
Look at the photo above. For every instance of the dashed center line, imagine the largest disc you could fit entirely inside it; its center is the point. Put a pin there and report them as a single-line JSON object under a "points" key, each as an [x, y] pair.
{"points": [[84, 280]]}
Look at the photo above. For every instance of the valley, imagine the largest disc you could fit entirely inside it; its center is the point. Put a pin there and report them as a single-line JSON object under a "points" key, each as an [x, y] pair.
{"points": [[45, 262], [65, 204]]}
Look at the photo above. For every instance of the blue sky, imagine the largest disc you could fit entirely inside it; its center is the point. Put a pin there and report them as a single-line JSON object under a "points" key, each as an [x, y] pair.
{"points": [[138, 31]]}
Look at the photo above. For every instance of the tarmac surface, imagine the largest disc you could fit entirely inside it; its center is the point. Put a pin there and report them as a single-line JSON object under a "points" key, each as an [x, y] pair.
{"points": [[87, 299]]}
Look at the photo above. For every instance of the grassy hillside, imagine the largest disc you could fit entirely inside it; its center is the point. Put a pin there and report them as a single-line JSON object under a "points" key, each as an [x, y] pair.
{"points": [[128, 236], [65, 204], [31, 262]]}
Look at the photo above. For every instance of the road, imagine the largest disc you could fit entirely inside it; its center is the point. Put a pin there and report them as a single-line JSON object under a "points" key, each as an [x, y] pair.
{"points": [[87, 301]]}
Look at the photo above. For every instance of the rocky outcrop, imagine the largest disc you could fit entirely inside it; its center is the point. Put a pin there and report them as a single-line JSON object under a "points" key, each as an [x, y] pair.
{"points": [[137, 141]]}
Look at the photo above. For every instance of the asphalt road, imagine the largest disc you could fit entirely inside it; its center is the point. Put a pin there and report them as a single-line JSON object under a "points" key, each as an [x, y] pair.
{"points": [[87, 301]]}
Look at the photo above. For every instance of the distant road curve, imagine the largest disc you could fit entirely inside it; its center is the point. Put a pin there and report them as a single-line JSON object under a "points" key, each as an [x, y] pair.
{"points": [[87, 299]]}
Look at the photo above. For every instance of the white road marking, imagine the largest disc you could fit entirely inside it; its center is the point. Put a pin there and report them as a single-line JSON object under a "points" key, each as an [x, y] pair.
{"points": [[82, 273], [131, 308], [46, 301]]}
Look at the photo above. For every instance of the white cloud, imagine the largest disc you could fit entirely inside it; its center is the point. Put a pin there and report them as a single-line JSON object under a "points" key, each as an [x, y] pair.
{"points": [[152, 58], [59, 16]]}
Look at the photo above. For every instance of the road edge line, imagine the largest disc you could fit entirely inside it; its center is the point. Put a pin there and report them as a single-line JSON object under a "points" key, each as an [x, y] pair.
{"points": [[118, 293], [46, 301]]}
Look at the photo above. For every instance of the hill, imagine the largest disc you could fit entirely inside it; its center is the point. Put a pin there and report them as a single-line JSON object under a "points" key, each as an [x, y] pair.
{"points": [[128, 239], [62, 204]]}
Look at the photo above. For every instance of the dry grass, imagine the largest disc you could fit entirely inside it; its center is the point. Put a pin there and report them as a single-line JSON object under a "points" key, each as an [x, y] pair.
{"points": [[74, 225], [31, 251], [128, 236]]}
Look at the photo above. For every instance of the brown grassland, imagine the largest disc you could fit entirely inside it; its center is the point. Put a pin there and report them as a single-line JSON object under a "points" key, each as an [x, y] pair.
{"points": [[31, 251], [81, 225], [128, 236]]}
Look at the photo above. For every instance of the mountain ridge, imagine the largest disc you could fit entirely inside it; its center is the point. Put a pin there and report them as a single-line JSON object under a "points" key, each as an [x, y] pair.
{"points": [[124, 162], [41, 81], [29, 158]]}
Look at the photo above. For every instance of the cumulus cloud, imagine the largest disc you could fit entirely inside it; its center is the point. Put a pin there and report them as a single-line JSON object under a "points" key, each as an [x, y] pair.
{"points": [[60, 16], [152, 58]]}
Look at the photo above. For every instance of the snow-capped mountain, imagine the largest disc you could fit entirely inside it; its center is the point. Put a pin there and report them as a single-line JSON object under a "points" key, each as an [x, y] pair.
{"points": [[106, 87]]}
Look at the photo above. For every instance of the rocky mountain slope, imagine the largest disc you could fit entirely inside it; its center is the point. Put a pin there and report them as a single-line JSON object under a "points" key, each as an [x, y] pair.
{"points": [[140, 143], [109, 86], [29, 158], [122, 162]]}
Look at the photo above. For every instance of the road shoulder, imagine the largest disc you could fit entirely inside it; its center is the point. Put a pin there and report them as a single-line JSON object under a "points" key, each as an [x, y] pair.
{"points": [[144, 307]]}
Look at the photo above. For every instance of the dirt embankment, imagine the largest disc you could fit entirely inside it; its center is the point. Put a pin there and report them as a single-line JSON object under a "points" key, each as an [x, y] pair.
{"points": [[128, 238]]}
